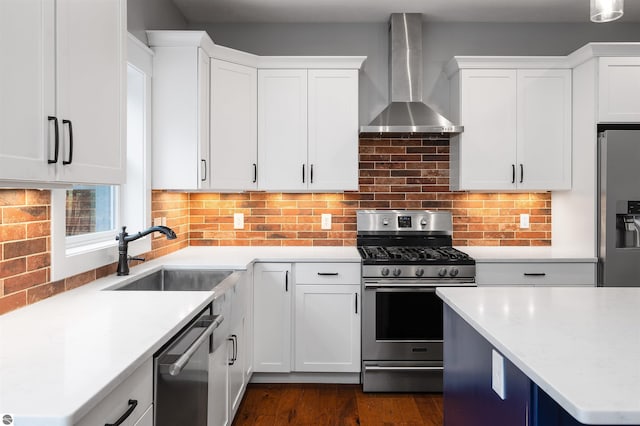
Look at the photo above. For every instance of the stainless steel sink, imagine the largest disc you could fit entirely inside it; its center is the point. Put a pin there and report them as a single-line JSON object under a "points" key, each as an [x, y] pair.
{"points": [[177, 280]]}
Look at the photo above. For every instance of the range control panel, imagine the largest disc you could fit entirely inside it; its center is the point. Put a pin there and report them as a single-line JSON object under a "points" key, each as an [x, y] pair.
{"points": [[404, 221]]}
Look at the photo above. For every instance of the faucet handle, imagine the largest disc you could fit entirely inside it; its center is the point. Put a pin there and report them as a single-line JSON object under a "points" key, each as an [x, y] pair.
{"points": [[140, 259]]}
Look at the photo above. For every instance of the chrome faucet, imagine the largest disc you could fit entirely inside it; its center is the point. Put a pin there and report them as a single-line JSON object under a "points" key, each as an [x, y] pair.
{"points": [[123, 245]]}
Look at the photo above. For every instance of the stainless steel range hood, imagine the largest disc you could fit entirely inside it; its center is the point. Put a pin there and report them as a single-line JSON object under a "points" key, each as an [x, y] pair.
{"points": [[407, 113]]}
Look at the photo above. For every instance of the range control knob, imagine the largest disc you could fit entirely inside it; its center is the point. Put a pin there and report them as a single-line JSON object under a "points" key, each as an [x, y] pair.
{"points": [[397, 272], [419, 272], [385, 221], [453, 272], [423, 222], [442, 272], [384, 272]]}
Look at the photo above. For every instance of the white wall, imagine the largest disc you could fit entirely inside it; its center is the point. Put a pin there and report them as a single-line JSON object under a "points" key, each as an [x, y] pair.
{"points": [[153, 15], [441, 41]]}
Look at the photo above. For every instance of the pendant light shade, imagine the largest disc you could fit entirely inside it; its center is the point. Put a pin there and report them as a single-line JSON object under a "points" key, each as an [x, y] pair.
{"points": [[606, 10]]}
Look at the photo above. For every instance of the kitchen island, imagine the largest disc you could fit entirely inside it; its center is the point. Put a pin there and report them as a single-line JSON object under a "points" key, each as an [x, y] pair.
{"points": [[558, 356]]}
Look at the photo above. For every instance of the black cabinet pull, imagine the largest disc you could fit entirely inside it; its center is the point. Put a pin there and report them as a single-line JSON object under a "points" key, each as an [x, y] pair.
{"points": [[327, 274], [356, 302], [513, 173], [286, 281], [70, 160], [534, 274], [311, 173], [204, 174], [255, 172], [56, 148], [235, 347], [303, 173], [132, 406], [521, 172], [233, 351]]}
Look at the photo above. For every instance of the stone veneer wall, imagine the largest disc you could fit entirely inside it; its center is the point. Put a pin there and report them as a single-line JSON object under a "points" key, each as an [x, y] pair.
{"points": [[394, 173]]}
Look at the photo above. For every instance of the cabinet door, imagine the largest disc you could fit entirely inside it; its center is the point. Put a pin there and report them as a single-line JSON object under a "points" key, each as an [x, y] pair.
{"points": [[180, 118], [217, 414], [544, 129], [327, 337], [282, 130], [236, 367], [234, 139], [26, 89], [91, 90], [333, 130], [487, 149], [146, 419], [272, 318], [619, 90]]}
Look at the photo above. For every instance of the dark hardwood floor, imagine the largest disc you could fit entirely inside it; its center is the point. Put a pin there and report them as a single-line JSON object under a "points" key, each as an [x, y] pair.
{"points": [[312, 404]]}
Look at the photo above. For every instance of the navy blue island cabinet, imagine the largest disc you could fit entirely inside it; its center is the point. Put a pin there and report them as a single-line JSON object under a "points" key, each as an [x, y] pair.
{"points": [[469, 399]]}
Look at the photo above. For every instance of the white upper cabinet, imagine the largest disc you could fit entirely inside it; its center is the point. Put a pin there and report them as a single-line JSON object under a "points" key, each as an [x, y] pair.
{"points": [[180, 84], [517, 128], [544, 129], [619, 90], [234, 138], [333, 129], [308, 126], [63, 68], [282, 129]]}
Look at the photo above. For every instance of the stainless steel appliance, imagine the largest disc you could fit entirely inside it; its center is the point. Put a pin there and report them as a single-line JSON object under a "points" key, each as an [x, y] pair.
{"points": [[182, 374], [406, 112], [619, 206], [406, 254]]}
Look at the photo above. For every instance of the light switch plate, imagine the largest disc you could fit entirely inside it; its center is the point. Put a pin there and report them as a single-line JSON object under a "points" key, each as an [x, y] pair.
{"points": [[524, 220], [238, 221], [497, 373], [326, 221]]}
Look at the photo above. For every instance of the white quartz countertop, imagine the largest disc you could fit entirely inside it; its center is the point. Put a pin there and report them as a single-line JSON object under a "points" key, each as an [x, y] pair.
{"points": [[61, 356], [580, 345], [493, 254]]}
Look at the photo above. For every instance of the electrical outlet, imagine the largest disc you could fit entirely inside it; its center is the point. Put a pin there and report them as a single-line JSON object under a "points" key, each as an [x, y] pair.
{"points": [[497, 373], [326, 221], [238, 221], [164, 221], [524, 220], [157, 221]]}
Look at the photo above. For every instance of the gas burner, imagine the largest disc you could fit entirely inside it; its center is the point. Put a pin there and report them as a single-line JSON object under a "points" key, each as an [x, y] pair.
{"points": [[402, 254]]}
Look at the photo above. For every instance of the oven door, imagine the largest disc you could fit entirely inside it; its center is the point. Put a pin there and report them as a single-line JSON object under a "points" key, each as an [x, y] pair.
{"points": [[401, 323]]}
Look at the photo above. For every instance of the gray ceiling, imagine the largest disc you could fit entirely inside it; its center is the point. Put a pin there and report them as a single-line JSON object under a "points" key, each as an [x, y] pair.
{"points": [[310, 11]]}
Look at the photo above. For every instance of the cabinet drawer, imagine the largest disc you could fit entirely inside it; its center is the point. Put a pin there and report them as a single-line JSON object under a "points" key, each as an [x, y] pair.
{"points": [[138, 386], [327, 273], [536, 273]]}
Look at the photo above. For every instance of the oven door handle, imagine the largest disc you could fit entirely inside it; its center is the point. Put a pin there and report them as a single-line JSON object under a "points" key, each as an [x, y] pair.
{"points": [[414, 285], [396, 368], [397, 289]]}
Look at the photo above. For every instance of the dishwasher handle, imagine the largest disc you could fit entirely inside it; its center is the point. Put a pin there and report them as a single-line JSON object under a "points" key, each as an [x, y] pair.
{"points": [[176, 367]]}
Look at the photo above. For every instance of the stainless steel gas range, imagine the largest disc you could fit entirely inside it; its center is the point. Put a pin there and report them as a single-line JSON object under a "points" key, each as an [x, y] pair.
{"points": [[406, 254]]}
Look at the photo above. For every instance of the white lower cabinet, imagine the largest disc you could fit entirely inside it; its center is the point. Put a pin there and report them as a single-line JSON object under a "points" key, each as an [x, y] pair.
{"points": [[228, 363], [536, 273], [135, 394], [323, 333], [272, 318], [327, 324], [217, 412]]}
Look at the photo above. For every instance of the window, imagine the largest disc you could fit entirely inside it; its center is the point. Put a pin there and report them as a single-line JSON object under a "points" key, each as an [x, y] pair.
{"points": [[86, 218]]}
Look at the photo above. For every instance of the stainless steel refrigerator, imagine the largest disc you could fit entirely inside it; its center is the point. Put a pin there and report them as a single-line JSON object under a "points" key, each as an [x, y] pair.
{"points": [[619, 206]]}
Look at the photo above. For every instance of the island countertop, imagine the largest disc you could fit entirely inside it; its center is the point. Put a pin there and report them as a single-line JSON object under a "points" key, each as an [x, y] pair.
{"points": [[580, 345]]}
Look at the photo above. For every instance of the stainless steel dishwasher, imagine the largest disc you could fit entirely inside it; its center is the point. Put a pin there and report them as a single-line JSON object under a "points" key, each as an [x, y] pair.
{"points": [[182, 373]]}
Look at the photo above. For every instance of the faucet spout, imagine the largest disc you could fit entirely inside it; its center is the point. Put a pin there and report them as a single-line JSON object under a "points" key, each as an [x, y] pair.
{"points": [[124, 239]]}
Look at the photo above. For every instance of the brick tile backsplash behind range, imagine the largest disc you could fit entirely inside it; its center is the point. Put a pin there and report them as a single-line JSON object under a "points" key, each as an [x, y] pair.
{"points": [[394, 173]]}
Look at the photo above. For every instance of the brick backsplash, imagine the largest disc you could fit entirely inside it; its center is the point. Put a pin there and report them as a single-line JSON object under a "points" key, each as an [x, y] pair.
{"points": [[394, 173]]}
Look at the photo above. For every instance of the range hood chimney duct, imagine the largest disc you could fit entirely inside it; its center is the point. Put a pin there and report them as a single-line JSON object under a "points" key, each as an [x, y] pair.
{"points": [[407, 113]]}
